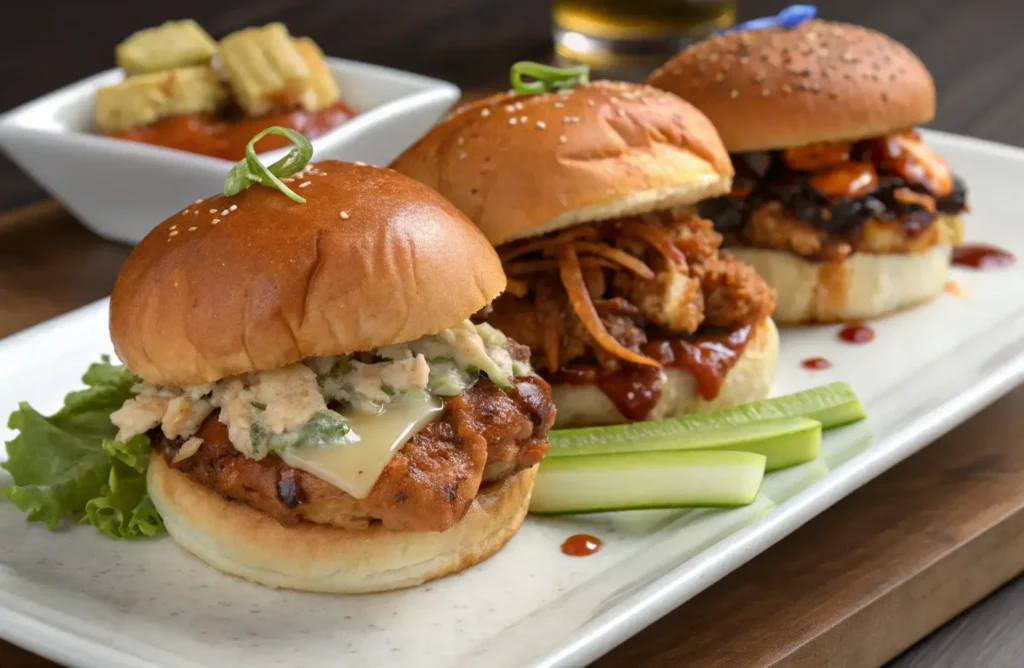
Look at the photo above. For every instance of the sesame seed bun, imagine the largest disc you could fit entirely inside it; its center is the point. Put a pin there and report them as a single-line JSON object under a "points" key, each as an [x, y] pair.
{"points": [[749, 379], [256, 281], [821, 81], [239, 540], [522, 166]]}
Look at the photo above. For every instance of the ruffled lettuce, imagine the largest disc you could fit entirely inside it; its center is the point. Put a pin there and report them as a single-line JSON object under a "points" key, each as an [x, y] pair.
{"points": [[69, 465]]}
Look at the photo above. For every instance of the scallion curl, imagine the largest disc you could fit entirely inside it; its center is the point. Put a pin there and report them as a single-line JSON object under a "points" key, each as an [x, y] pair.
{"points": [[546, 78], [250, 170]]}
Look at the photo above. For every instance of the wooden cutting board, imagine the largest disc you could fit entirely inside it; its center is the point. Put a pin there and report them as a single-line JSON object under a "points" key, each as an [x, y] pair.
{"points": [[854, 587]]}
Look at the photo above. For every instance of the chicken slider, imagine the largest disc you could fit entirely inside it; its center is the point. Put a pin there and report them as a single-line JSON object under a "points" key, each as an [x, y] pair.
{"points": [[616, 284], [325, 415], [837, 201]]}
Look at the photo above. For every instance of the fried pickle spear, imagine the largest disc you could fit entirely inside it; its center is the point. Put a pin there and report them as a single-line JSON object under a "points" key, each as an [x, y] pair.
{"points": [[265, 68], [173, 45], [323, 89], [146, 98]]}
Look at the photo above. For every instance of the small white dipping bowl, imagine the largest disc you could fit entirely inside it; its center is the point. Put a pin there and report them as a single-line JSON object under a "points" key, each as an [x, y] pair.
{"points": [[122, 189]]}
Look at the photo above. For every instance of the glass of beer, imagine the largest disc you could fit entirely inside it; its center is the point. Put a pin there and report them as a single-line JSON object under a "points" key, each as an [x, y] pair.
{"points": [[625, 36]]}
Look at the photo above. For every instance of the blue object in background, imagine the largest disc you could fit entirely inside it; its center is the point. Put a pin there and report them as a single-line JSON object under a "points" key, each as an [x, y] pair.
{"points": [[790, 17]]}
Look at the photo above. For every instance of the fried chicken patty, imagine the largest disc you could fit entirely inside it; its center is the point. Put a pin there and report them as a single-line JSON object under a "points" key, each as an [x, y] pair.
{"points": [[484, 435], [691, 286]]}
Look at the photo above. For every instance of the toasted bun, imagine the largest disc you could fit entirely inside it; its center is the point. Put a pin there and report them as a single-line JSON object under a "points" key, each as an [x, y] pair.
{"points": [[821, 81], [237, 539], [861, 286], [749, 380], [371, 259], [522, 166]]}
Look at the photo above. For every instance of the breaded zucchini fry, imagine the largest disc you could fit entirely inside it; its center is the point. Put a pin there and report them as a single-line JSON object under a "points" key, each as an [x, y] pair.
{"points": [[173, 45], [146, 98], [323, 89], [264, 68]]}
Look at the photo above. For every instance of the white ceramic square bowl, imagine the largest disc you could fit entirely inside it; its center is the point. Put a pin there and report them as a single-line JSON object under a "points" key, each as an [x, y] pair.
{"points": [[122, 189]]}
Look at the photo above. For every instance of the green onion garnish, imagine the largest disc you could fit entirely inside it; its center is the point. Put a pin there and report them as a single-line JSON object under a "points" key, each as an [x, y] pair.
{"points": [[250, 170], [546, 78]]}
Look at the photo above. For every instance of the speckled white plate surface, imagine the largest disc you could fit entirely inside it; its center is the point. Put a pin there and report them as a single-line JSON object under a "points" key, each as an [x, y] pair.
{"points": [[85, 600]]}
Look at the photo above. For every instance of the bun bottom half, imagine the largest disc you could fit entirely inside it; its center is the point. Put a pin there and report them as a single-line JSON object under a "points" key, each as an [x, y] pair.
{"points": [[860, 287], [750, 379], [237, 539]]}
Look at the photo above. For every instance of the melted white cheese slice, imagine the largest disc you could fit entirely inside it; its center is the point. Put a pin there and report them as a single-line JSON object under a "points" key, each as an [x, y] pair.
{"points": [[355, 467]]}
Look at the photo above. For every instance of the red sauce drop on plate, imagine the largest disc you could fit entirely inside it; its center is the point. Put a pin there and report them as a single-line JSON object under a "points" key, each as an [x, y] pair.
{"points": [[857, 333], [581, 545], [816, 364], [981, 256]]}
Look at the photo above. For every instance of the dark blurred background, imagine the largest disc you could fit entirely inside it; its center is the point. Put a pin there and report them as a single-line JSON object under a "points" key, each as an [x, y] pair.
{"points": [[974, 49]]}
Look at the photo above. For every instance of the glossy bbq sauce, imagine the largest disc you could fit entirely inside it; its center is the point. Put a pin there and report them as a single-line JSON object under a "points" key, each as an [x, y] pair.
{"points": [[709, 357], [636, 390], [220, 137], [581, 545], [816, 364], [857, 332], [981, 256]]}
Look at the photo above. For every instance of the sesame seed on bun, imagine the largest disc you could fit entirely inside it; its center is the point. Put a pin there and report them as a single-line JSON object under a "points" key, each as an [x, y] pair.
{"points": [[256, 281], [784, 87], [525, 165]]}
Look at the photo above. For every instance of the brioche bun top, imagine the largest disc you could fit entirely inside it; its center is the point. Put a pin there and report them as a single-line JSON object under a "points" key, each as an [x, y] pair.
{"points": [[256, 281], [524, 165], [785, 87]]}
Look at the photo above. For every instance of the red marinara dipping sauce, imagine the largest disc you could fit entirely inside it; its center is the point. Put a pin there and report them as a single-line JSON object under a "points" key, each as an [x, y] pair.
{"points": [[227, 136], [981, 256], [816, 364], [636, 390], [581, 545], [857, 332]]}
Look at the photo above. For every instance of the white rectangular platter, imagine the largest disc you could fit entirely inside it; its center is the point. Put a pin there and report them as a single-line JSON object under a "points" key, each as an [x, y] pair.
{"points": [[86, 600]]}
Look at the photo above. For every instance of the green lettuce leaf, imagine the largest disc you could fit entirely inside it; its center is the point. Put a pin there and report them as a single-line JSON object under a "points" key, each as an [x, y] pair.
{"points": [[124, 510], [134, 453], [69, 465]]}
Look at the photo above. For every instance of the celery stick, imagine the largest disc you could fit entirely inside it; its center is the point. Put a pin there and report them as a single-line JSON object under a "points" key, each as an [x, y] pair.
{"points": [[642, 480], [832, 405], [785, 442]]}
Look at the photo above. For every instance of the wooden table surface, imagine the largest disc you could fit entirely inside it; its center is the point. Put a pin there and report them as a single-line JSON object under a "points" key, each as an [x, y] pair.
{"points": [[858, 585]]}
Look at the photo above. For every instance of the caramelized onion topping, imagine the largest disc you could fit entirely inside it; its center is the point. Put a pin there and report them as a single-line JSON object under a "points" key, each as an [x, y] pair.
{"points": [[524, 267], [572, 279], [547, 245], [656, 238], [616, 256]]}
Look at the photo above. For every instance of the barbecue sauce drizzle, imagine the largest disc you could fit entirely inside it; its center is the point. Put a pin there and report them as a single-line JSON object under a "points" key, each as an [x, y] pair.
{"points": [[636, 390]]}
